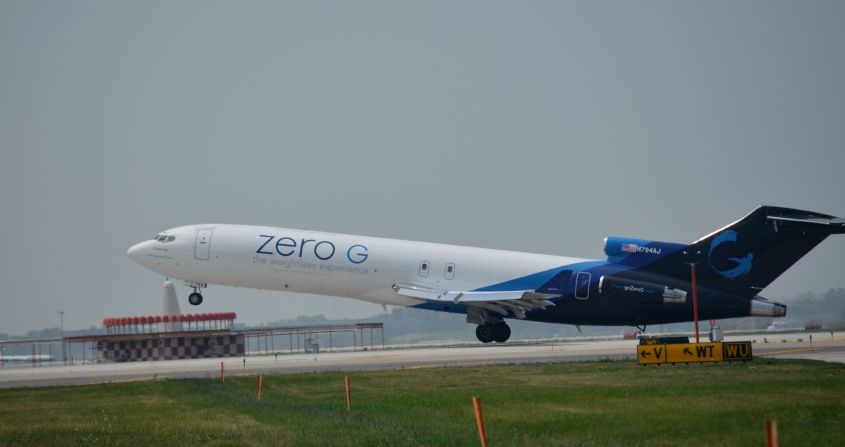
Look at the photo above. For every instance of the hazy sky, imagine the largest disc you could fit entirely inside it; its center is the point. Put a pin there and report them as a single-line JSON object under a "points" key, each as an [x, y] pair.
{"points": [[534, 126]]}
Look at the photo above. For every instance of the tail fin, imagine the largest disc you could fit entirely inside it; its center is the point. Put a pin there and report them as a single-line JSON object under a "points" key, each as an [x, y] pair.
{"points": [[746, 256]]}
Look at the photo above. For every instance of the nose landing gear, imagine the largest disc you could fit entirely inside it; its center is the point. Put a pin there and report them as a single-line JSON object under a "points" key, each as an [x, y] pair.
{"points": [[196, 297]]}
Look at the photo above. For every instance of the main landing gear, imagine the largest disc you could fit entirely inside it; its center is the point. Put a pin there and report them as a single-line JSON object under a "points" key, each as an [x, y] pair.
{"points": [[195, 298], [499, 332], [490, 327]]}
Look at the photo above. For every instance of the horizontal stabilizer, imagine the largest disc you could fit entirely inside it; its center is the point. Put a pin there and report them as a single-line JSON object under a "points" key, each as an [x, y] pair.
{"points": [[809, 222]]}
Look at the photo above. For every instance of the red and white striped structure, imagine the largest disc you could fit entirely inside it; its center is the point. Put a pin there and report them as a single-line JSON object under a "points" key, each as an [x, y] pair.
{"points": [[164, 346], [213, 321]]}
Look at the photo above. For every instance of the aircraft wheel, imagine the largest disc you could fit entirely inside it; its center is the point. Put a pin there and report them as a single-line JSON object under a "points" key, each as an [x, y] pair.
{"points": [[484, 332], [501, 332], [195, 299]]}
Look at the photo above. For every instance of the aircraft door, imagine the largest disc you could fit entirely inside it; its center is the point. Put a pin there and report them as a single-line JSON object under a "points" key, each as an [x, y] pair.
{"points": [[582, 285], [203, 247]]}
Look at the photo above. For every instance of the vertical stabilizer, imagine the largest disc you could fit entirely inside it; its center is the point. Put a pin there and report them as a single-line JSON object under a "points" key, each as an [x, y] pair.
{"points": [[746, 256]]}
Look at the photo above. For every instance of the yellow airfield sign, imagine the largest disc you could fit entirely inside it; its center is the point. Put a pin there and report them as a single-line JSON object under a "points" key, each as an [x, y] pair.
{"points": [[653, 354]]}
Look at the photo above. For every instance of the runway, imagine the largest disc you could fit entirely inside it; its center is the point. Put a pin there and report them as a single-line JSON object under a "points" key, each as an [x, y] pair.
{"points": [[826, 347]]}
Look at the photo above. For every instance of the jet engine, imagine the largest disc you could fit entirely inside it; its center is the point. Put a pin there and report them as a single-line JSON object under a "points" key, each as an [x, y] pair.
{"points": [[630, 289]]}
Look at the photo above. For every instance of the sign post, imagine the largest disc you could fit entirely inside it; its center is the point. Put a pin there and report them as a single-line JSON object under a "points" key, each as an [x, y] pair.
{"points": [[694, 301]]}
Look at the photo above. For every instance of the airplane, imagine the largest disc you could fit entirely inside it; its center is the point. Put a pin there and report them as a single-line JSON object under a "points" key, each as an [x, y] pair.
{"points": [[642, 282]]}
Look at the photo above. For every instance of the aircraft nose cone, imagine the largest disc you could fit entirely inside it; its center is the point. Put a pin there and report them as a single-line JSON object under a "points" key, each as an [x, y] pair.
{"points": [[136, 252]]}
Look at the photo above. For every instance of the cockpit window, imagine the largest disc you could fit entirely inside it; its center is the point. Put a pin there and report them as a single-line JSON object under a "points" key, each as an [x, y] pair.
{"points": [[163, 238]]}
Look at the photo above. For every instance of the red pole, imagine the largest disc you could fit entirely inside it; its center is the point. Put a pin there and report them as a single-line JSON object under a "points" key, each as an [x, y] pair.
{"points": [[479, 420], [222, 374], [348, 393], [771, 433], [260, 382], [694, 302]]}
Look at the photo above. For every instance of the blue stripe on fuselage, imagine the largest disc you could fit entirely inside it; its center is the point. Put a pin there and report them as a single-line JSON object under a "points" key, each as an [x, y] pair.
{"points": [[534, 281]]}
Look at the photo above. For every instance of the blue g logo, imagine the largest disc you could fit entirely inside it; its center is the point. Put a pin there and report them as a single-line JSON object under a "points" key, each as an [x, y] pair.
{"points": [[358, 252], [743, 265]]}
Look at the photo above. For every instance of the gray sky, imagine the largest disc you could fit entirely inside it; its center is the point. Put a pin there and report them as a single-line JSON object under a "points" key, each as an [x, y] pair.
{"points": [[535, 126]]}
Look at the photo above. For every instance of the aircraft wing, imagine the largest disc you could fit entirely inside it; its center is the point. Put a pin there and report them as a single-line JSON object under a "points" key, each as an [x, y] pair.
{"points": [[516, 302]]}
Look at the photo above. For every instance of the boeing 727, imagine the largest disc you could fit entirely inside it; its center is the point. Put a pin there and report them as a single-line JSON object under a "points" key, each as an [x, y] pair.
{"points": [[641, 282]]}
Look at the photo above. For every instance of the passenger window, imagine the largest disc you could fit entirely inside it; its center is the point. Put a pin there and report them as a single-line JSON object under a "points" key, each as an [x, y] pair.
{"points": [[424, 268], [450, 271]]}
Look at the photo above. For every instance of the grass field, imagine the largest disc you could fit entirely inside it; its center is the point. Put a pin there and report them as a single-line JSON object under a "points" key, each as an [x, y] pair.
{"points": [[577, 404]]}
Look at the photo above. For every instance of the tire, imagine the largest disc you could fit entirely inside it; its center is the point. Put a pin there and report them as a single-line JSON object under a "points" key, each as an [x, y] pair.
{"points": [[501, 332], [484, 332], [195, 299]]}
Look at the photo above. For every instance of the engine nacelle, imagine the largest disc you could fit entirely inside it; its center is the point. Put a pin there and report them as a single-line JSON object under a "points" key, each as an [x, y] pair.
{"points": [[612, 287]]}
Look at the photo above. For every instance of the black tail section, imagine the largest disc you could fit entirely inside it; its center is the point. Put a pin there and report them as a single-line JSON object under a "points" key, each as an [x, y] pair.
{"points": [[746, 256]]}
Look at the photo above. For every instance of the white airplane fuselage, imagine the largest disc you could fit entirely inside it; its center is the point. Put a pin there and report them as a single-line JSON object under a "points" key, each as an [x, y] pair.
{"points": [[358, 267]]}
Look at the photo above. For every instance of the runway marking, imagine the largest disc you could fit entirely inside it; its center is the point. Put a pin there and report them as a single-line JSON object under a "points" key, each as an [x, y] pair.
{"points": [[382, 356]]}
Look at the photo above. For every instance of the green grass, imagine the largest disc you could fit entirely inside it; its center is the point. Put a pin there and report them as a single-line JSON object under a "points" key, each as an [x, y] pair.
{"points": [[577, 404]]}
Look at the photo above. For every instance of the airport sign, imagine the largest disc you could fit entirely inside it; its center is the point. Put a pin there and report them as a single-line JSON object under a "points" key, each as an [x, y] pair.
{"points": [[736, 350], [655, 354]]}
